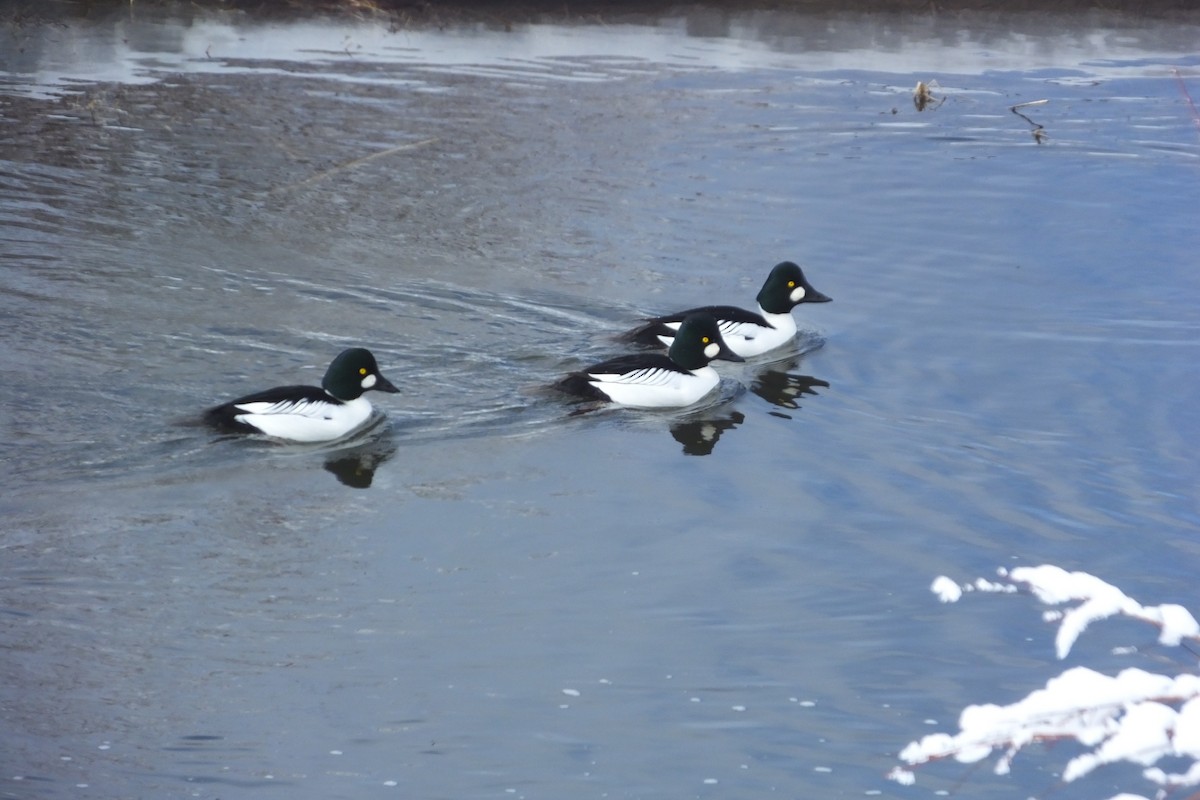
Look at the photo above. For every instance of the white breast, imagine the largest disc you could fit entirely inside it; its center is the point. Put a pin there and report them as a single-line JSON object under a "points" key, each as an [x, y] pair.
{"points": [[307, 421], [658, 388], [747, 339]]}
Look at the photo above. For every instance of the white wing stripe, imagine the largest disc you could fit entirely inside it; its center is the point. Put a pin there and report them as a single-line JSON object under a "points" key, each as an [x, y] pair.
{"points": [[747, 329], [647, 376], [302, 408]]}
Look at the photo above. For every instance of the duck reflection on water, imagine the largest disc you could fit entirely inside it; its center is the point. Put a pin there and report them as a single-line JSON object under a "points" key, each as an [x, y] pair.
{"points": [[776, 383], [781, 387], [699, 436], [356, 466]]}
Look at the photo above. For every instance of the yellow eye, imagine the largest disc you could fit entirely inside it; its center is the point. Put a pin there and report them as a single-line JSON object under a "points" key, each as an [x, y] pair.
{"points": [[704, 339], [362, 370], [791, 284]]}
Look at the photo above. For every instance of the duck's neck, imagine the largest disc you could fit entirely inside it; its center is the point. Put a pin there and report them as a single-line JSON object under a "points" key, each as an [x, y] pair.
{"points": [[785, 323]]}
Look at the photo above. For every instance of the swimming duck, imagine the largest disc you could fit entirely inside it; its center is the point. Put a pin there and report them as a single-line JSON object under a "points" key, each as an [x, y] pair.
{"points": [[747, 333], [653, 380], [308, 413]]}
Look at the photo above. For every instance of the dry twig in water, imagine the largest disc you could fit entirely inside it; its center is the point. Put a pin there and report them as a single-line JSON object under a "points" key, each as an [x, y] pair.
{"points": [[1039, 131], [1187, 96], [354, 162]]}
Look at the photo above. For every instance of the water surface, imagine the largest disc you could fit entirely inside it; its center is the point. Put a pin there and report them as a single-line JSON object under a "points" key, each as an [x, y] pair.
{"points": [[487, 595]]}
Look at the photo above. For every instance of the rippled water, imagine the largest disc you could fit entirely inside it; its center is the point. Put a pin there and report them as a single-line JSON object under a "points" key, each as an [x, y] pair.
{"points": [[488, 594]]}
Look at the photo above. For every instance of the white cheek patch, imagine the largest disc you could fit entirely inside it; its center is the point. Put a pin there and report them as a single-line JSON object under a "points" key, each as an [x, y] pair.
{"points": [[368, 381], [798, 294], [711, 349]]}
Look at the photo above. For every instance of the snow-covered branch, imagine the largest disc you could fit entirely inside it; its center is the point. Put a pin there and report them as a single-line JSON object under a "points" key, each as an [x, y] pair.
{"points": [[1134, 716], [1097, 600]]}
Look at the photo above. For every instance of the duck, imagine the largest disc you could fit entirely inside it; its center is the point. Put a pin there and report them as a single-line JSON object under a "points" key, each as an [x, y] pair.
{"points": [[747, 333], [322, 413], [677, 379]]}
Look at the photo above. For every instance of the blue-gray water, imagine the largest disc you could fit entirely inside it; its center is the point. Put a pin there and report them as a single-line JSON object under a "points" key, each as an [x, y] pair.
{"points": [[488, 596]]}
